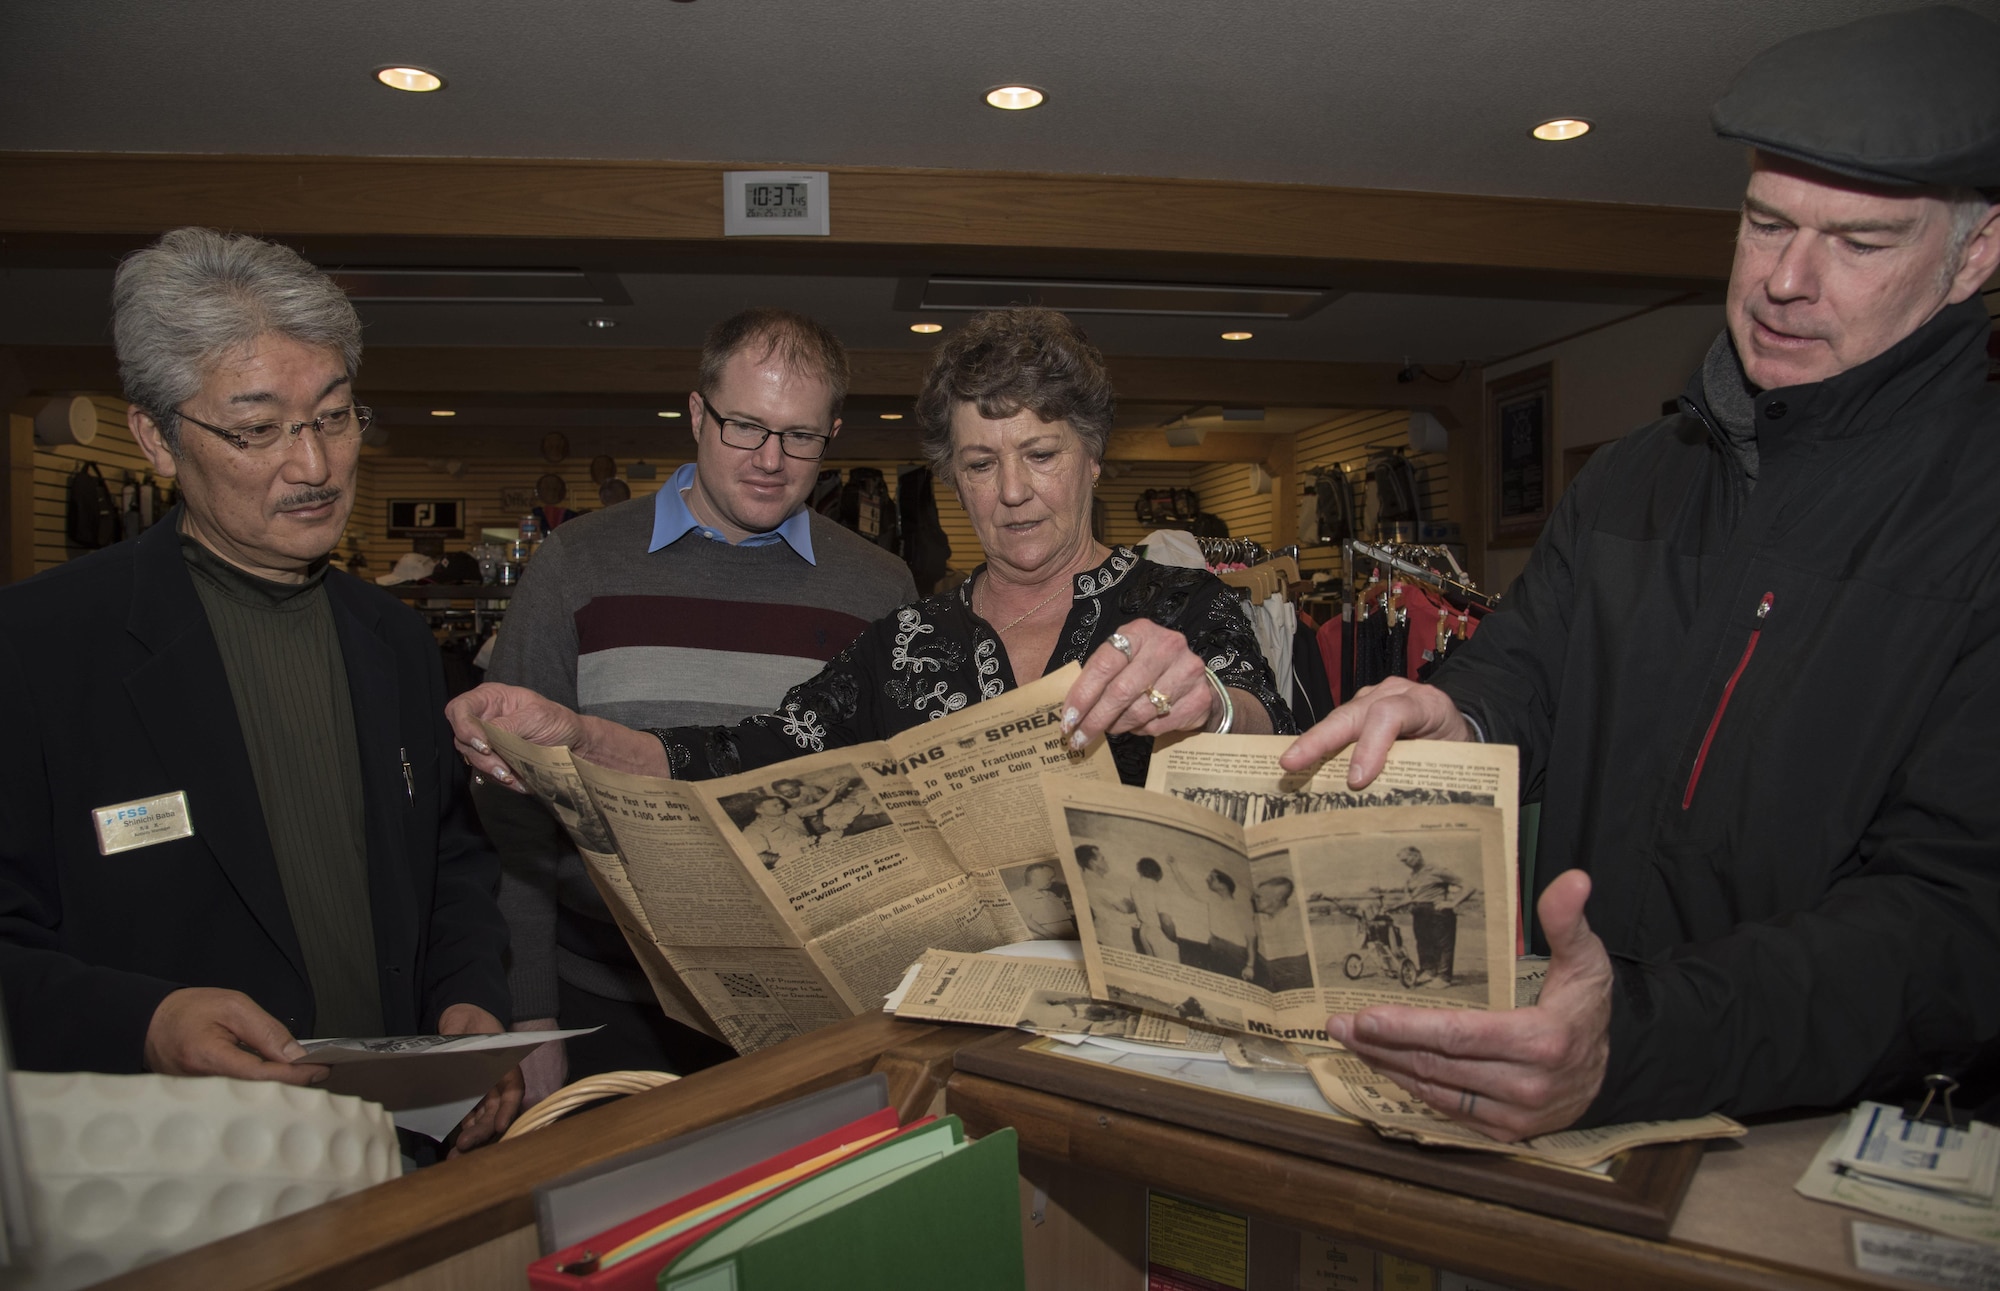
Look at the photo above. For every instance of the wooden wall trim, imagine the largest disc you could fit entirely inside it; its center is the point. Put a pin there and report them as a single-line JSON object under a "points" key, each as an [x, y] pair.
{"points": [[141, 193]]}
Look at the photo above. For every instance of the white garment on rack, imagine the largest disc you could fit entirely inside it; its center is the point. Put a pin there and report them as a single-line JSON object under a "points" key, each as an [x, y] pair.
{"points": [[1273, 623], [1173, 547]]}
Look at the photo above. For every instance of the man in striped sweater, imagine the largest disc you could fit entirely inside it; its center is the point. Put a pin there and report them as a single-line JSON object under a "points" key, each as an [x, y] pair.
{"points": [[703, 604]]}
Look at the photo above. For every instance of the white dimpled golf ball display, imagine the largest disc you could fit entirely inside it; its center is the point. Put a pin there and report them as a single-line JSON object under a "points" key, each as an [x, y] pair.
{"points": [[124, 1170]]}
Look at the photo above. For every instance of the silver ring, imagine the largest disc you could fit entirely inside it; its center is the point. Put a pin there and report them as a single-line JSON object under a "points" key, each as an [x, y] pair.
{"points": [[1122, 644], [1161, 704]]}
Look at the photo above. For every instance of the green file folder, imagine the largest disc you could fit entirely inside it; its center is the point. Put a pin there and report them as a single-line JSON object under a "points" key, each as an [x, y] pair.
{"points": [[922, 1211]]}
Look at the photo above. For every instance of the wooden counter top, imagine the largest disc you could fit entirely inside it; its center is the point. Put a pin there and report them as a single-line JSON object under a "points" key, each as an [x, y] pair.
{"points": [[469, 1223]]}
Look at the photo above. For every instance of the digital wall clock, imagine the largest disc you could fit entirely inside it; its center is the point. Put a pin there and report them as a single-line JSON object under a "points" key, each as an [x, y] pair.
{"points": [[775, 203]]}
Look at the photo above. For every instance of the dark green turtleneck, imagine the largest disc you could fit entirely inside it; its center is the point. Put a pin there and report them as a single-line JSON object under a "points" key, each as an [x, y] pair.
{"points": [[282, 653]]}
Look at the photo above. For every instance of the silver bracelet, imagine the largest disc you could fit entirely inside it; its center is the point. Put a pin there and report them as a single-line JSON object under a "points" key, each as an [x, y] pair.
{"points": [[1222, 697]]}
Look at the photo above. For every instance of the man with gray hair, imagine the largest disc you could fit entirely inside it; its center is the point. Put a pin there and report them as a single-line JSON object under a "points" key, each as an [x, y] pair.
{"points": [[229, 812], [1753, 666]]}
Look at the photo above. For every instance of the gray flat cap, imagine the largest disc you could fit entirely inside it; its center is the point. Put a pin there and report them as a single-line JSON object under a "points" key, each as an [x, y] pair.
{"points": [[1910, 98]]}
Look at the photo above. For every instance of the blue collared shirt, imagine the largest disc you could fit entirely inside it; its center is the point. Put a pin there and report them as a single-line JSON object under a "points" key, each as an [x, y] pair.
{"points": [[672, 520]]}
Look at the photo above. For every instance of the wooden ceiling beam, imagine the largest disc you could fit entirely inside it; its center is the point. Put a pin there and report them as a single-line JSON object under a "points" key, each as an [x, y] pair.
{"points": [[453, 198]]}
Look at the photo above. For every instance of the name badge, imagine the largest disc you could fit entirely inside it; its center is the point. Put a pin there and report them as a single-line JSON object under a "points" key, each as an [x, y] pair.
{"points": [[142, 822]]}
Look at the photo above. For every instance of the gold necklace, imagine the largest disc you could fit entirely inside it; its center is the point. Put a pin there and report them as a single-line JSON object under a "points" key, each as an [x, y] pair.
{"points": [[1044, 601]]}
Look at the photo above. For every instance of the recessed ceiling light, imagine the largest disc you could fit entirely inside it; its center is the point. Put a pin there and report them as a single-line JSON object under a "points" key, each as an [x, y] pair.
{"points": [[890, 416], [414, 79], [600, 323], [444, 412], [1561, 128], [670, 413], [926, 329], [1014, 98], [1237, 336]]}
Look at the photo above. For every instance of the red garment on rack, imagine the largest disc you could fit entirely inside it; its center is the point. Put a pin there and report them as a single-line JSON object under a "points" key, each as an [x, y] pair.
{"points": [[1426, 607], [1328, 640]]}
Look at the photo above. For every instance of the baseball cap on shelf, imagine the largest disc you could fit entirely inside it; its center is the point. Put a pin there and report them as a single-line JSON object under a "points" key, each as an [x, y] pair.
{"points": [[410, 567]]}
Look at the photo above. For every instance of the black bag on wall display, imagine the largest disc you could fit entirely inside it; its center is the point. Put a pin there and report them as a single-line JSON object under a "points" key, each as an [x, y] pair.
{"points": [[867, 508], [1394, 493], [926, 549], [826, 494], [93, 516], [1167, 508], [1333, 496]]}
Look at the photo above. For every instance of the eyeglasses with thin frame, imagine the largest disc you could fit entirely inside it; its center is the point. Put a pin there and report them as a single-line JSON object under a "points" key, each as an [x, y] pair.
{"points": [[802, 445], [266, 436]]}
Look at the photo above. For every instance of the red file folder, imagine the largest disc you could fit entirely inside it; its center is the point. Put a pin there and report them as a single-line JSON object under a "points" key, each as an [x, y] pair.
{"points": [[641, 1271]]}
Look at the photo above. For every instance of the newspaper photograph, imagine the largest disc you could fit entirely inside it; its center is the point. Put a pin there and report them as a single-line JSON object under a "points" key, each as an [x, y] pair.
{"points": [[1268, 930], [1355, 1088], [1239, 776], [788, 897]]}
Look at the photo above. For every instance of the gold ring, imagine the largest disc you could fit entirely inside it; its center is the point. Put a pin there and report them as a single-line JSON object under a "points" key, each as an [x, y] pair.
{"points": [[1161, 704]]}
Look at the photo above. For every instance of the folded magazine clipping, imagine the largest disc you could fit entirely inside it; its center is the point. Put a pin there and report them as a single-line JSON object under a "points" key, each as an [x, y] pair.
{"points": [[427, 1082]]}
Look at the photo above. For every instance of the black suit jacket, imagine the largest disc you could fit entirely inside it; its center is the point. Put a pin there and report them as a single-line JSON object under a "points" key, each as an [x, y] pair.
{"points": [[112, 689]]}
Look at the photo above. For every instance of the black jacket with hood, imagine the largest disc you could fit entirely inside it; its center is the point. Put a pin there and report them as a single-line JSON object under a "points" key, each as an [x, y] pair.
{"points": [[1766, 720]]}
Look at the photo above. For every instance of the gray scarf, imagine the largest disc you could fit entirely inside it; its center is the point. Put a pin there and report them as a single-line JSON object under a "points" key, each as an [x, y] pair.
{"points": [[1731, 398]]}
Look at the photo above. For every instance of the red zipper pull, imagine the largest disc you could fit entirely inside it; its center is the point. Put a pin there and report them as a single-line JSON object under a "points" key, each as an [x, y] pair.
{"points": [[1729, 689]]}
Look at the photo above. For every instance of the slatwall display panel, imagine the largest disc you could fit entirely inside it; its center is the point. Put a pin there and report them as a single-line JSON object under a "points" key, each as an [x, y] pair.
{"points": [[116, 455], [479, 485], [1347, 440], [1225, 489]]}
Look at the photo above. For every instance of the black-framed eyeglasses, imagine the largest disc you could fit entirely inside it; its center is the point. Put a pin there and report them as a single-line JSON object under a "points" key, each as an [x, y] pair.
{"points": [[266, 436], [749, 436]]}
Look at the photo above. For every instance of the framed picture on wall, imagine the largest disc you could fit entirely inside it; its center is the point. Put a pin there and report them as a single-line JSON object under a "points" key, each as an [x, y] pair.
{"points": [[426, 518], [1520, 456]]}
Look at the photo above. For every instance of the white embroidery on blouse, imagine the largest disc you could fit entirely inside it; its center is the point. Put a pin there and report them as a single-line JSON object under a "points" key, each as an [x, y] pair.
{"points": [[1113, 572], [803, 725], [946, 702], [986, 658], [913, 626]]}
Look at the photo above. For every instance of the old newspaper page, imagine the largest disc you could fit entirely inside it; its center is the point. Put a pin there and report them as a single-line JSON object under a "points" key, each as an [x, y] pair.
{"points": [[792, 896], [1046, 996], [1358, 1090], [552, 776], [1268, 930]]}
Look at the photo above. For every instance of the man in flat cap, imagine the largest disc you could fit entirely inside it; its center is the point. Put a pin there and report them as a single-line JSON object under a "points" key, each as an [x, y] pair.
{"points": [[1753, 666]]}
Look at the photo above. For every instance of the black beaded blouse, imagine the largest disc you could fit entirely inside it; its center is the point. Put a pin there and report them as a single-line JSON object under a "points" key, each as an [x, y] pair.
{"points": [[936, 656]]}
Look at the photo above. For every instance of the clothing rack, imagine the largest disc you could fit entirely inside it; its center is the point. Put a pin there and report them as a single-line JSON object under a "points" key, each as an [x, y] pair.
{"points": [[1233, 551], [1456, 585]]}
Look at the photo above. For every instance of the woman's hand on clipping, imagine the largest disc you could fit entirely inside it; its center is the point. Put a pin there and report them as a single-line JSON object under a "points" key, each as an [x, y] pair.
{"points": [[1143, 681]]}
